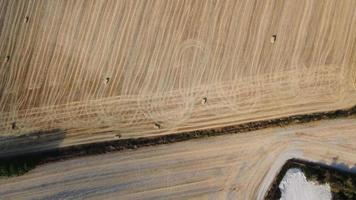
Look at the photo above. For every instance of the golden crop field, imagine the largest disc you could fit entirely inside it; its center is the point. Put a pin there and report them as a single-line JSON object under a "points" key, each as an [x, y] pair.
{"points": [[107, 69]]}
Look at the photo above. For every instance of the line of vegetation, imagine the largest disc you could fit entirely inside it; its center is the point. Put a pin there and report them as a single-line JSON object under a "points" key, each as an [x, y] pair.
{"points": [[20, 164], [342, 181]]}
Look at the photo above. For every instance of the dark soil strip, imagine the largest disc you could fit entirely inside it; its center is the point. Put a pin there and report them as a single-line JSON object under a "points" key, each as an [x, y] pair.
{"points": [[14, 165], [342, 182]]}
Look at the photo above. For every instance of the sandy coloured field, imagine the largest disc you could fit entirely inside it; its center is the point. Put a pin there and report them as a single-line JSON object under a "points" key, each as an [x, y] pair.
{"points": [[224, 167], [95, 70]]}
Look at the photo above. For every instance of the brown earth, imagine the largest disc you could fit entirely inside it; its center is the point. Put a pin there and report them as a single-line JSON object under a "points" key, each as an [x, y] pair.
{"points": [[231, 166]]}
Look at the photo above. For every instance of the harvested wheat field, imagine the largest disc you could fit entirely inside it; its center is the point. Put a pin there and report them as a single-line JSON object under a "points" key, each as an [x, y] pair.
{"points": [[89, 71], [137, 68]]}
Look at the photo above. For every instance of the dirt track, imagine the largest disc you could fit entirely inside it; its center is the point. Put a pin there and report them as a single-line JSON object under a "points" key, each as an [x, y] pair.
{"points": [[215, 168]]}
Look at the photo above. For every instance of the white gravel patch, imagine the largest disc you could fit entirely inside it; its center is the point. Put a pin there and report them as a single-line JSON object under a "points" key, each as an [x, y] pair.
{"points": [[294, 186]]}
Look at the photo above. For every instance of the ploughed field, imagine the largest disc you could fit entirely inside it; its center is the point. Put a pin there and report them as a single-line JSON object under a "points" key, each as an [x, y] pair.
{"points": [[240, 166]]}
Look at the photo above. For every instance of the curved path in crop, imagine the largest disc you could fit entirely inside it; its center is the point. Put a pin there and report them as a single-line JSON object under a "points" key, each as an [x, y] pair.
{"points": [[223, 167]]}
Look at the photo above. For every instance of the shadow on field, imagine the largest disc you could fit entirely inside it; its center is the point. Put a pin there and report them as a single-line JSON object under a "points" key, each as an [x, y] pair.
{"points": [[342, 166], [20, 154]]}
